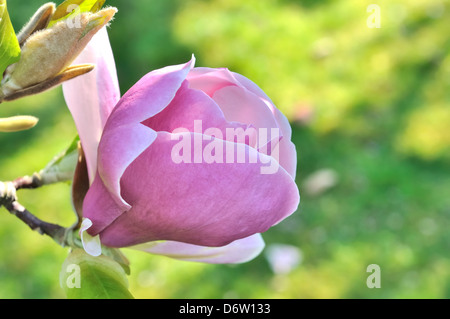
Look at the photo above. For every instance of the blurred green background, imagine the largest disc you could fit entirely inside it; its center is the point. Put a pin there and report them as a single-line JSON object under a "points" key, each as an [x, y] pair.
{"points": [[370, 110]]}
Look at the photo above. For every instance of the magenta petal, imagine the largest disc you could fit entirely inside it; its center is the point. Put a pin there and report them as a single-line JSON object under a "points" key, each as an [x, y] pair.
{"points": [[242, 106], [198, 203], [251, 105], [150, 95], [243, 101], [92, 97], [210, 80], [90, 244], [239, 251], [99, 207], [194, 111], [287, 156], [288, 153], [124, 136], [118, 148], [187, 107], [251, 86]]}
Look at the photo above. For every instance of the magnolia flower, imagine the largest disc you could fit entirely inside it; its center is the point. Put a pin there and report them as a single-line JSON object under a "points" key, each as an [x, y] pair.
{"points": [[148, 192]]}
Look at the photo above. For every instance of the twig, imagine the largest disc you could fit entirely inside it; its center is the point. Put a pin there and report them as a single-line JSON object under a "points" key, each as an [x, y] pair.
{"points": [[58, 233], [8, 199], [28, 182]]}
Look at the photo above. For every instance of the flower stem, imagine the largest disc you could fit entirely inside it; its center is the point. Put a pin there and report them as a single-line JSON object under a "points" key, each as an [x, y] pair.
{"points": [[8, 199], [28, 182], [58, 233]]}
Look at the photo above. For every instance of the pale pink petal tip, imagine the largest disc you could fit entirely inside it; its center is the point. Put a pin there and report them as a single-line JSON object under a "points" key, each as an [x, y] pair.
{"points": [[91, 245], [239, 251]]}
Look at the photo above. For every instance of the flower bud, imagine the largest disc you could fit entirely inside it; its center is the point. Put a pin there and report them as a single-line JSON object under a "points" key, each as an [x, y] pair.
{"points": [[49, 52], [38, 21], [17, 123]]}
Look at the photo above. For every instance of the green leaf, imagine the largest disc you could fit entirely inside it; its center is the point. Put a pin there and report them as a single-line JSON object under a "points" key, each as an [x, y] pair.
{"points": [[117, 255], [62, 167], [86, 277], [9, 45], [70, 8]]}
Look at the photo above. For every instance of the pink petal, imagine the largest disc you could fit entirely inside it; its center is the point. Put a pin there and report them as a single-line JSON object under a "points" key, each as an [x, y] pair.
{"points": [[288, 153], [99, 207], [210, 80], [92, 97], [118, 148], [251, 86], [240, 105], [288, 156], [201, 204], [150, 95], [125, 137], [239, 251], [243, 101], [91, 244], [194, 111]]}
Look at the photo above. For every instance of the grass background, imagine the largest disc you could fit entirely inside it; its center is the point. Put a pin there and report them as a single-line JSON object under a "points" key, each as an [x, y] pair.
{"points": [[371, 104]]}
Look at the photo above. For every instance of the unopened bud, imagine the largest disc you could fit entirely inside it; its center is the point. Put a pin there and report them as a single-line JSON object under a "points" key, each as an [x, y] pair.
{"points": [[17, 123], [68, 74], [49, 52], [38, 21]]}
